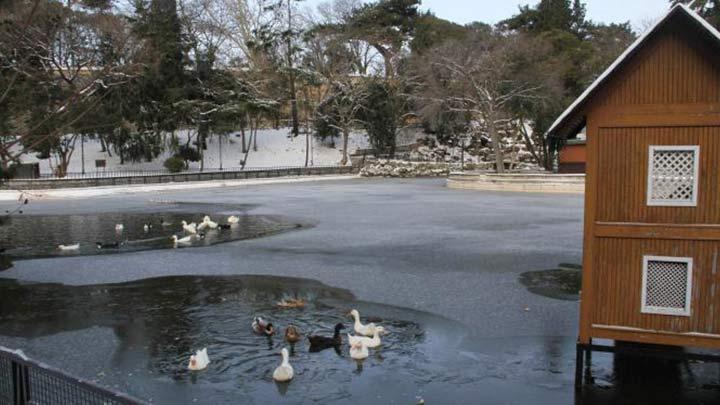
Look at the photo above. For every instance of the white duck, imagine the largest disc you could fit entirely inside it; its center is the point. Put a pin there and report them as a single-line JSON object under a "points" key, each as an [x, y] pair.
{"points": [[69, 247], [233, 219], [359, 351], [119, 227], [365, 330], [182, 241], [146, 228], [189, 228], [370, 343], [199, 361], [207, 222], [284, 372]]}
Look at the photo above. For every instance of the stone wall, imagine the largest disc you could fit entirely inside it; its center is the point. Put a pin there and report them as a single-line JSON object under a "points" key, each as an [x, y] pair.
{"points": [[401, 168], [524, 182]]}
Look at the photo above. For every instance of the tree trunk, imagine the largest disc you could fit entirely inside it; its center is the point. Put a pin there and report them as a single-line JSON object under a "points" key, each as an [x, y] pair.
{"points": [[220, 149], [346, 136], [529, 144], [307, 149], [103, 145], [497, 146], [387, 60], [202, 152], [293, 95], [253, 134], [66, 153], [254, 140], [242, 137], [82, 152]]}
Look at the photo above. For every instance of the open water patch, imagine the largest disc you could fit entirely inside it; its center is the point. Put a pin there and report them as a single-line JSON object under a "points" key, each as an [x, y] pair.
{"points": [[157, 323], [40, 236]]}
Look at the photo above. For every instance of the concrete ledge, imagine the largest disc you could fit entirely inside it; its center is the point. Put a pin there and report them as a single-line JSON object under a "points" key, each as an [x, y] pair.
{"points": [[522, 182], [77, 192]]}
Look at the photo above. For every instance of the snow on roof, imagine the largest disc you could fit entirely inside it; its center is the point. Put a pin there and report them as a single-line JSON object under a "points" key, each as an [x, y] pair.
{"points": [[629, 51]]}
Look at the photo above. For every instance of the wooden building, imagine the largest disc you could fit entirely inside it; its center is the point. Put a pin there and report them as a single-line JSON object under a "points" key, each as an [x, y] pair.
{"points": [[572, 157], [651, 268]]}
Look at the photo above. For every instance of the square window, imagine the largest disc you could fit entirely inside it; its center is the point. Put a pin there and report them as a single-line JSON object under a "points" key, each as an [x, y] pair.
{"points": [[667, 285], [673, 175]]}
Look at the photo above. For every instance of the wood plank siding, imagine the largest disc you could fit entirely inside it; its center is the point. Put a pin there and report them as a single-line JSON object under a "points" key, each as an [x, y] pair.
{"points": [[666, 93]]}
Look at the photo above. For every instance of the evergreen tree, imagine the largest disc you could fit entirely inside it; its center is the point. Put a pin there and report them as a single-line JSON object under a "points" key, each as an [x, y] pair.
{"points": [[383, 107], [164, 78], [708, 9], [387, 25]]}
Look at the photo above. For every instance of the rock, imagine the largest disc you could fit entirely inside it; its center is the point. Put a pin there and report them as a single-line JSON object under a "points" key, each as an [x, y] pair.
{"points": [[401, 168]]}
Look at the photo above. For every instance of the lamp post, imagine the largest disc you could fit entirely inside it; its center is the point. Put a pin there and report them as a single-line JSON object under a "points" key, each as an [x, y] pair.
{"points": [[463, 140]]}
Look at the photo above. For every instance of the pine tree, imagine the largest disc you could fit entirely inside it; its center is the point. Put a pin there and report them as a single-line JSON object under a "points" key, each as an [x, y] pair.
{"points": [[708, 9]]}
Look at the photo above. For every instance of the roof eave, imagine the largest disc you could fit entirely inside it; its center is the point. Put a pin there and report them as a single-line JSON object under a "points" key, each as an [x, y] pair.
{"points": [[577, 106]]}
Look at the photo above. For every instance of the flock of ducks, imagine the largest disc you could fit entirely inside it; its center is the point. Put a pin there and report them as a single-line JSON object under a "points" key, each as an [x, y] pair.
{"points": [[367, 336], [192, 232]]}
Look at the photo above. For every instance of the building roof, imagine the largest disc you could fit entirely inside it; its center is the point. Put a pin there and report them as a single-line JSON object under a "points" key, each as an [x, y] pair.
{"points": [[568, 115]]}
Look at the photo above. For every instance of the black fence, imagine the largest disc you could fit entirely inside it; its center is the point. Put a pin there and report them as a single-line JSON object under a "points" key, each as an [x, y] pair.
{"points": [[95, 174], [24, 381], [112, 178]]}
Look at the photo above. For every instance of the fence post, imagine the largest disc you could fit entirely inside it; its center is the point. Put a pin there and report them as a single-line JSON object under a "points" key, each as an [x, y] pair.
{"points": [[21, 383]]}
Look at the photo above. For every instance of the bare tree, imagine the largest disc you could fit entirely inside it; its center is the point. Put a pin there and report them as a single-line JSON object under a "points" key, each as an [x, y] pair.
{"points": [[477, 77], [53, 50], [341, 110]]}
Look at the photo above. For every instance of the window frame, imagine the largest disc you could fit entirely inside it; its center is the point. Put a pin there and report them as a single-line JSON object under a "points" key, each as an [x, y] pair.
{"points": [[696, 175], [649, 309]]}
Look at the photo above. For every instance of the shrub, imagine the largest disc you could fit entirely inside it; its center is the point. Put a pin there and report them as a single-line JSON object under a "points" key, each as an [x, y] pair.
{"points": [[174, 164], [188, 153]]}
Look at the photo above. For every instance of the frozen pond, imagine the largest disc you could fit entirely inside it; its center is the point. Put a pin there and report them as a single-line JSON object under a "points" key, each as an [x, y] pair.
{"points": [[480, 290]]}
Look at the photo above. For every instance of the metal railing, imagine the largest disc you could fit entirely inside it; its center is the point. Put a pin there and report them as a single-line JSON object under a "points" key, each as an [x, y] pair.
{"points": [[95, 174], [25, 381], [151, 177]]}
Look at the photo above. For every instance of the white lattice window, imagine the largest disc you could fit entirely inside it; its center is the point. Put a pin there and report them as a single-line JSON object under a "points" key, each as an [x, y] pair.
{"points": [[673, 175], [667, 285]]}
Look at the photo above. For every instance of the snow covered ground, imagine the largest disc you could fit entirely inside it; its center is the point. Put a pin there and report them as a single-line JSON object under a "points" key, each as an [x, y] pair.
{"points": [[275, 148]]}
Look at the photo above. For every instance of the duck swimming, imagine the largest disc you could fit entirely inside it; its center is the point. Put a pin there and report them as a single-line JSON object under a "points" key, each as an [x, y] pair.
{"points": [[318, 342], [262, 327], [359, 351], [199, 360], [182, 241], [233, 219], [370, 343], [207, 223], [291, 303], [189, 228], [360, 329], [292, 334], [284, 372]]}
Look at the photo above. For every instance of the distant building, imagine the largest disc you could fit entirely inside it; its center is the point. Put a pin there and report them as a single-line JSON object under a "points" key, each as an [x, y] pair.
{"points": [[572, 155]]}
